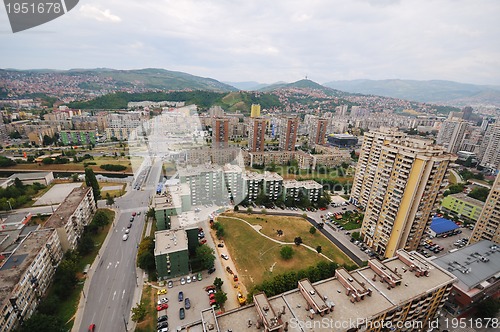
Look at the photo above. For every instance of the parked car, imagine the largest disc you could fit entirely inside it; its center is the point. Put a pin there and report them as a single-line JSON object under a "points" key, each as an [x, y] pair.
{"points": [[187, 303], [162, 318], [226, 257], [161, 291], [181, 296], [183, 281], [127, 231], [182, 313], [199, 276], [163, 300], [170, 284], [133, 214], [91, 327], [188, 279], [220, 245], [211, 270], [162, 306], [193, 278], [125, 237], [129, 225], [162, 325]]}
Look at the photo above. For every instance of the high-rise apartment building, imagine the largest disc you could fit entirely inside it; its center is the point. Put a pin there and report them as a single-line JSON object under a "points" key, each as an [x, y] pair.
{"points": [[368, 162], [489, 151], [256, 134], [451, 134], [255, 111], [488, 225], [317, 131], [406, 176], [288, 133], [220, 133]]}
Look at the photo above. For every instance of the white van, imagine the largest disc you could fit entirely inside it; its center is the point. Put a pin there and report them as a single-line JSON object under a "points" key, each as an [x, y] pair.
{"points": [[125, 237]]}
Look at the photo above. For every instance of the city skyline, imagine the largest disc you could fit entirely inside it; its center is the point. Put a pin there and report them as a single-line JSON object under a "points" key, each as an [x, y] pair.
{"points": [[270, 42]]}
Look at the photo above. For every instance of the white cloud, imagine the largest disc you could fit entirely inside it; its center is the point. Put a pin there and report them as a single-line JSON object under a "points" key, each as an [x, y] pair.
{"points": [[98, 14]]}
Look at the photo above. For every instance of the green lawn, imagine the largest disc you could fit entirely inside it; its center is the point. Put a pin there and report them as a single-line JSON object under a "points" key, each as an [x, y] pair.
{"points": [[255, 255], [293, 227]]}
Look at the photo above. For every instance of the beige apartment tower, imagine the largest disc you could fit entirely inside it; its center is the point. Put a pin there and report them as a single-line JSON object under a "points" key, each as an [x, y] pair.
{"points": [[288, 133], [317, 131], [406, 184], [256, 134], [488, 225]]}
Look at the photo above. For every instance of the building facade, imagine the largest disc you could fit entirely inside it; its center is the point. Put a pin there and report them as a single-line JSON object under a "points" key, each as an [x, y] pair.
{"points": [[463, 206], [220, 133], [72, 215], [488, 225], [317, 131], [26, 275], [78, 137], [451, 134], [407, 185], [256, 134], [288, 133]]}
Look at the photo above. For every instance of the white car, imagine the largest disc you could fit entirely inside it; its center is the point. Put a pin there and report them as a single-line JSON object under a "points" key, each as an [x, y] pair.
{"points": [[162, 301], [127, 231], [125, 237], [226, 257], [188, 279], [183, 281]]}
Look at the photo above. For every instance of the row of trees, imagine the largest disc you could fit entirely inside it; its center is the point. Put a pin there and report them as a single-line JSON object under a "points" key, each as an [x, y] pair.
{"points": [[113, 168], [18, 194], [65, 281], [288, 281]]}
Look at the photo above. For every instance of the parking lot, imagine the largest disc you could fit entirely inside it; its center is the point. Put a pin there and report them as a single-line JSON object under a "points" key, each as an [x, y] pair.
{"points": [[195, 290], [447, 243]]}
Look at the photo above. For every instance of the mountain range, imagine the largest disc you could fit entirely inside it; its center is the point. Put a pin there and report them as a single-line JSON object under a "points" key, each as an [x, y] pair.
{"points": [[140, 80], [434, 91]]}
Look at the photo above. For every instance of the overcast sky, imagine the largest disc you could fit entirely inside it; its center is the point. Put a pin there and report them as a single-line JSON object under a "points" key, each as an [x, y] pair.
{"points": [[270, 40]]}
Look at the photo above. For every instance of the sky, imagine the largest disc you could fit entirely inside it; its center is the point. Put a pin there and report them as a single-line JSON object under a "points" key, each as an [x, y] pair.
{"points": [[269, 40]]}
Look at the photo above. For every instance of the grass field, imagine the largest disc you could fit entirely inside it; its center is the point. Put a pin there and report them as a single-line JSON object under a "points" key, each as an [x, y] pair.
{"points": [[124, 161], [112, 193], [255, 256], [149, 299], [293, 227]]}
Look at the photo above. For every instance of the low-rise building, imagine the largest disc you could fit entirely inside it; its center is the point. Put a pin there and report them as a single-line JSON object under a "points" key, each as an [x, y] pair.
{"points": [[462, 206], [171, 253], [292, 189], [403, 293], [26, 275], [72, 215], [44, 178], [477, 269]]}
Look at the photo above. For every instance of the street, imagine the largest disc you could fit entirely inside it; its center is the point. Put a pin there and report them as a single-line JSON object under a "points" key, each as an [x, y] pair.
{"points": [[109, 297]]}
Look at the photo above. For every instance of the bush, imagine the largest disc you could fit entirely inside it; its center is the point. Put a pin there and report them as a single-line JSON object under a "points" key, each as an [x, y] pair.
{"points": [[113, 168], [312, 230], [286, 252]]}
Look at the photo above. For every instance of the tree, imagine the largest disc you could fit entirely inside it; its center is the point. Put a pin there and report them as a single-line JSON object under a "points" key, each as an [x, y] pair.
{"points": [[479, 193], [236, 208], [312, 230], [91, 181], [18, 183], [47, 140], [139, 312], [286, 252], [43, 323], [249, 210], [151, 213], [145, 254], [74, 177], [206, 256], [297, 240], [218, 283], [109, 200], [86, 244], [100, 219], [356, 236], [49, 305], [221, 298], [319, 249]]}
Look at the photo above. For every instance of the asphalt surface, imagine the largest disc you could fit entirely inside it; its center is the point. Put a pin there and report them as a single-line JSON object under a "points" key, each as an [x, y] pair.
{"points": [[114, 280]]}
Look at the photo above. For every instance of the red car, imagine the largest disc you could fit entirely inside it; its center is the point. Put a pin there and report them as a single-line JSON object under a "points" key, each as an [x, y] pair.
{"points": [[212, 302], [92, 328], [162, 306], [134, 214], [203, 241]]}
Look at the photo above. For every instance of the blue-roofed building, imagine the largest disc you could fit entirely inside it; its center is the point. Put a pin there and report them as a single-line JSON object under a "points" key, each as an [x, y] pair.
{"points": [[442, 226]]}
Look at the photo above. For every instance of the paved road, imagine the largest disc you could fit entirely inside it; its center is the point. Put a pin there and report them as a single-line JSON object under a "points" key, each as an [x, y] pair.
{"points": [[114, 281]]}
